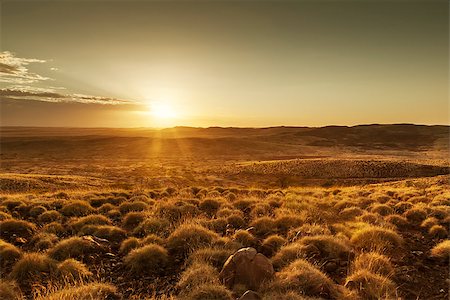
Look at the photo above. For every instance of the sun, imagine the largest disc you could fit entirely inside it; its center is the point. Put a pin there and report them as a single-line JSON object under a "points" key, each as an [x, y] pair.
{"points": [[162, 110]]}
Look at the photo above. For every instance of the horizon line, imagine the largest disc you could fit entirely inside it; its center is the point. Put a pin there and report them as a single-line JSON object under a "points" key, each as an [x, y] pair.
{"points": [[223, 127]]}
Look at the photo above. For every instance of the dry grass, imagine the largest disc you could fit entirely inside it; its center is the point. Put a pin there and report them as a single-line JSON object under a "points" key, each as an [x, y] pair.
{"points": [[302, 276], [172, 243], [438, 231], [373, 262], [441, 250], [152, 225], [49, 216], [209, 292], [197, 275], [9, 290], [149, 259], [373, 238], [129, 244], [10, 229], [371, 286], [9, 254], [32, 267], [78, 223], [77, 208], [74, 247], [189, 237], [88, 291], [72, 270]]}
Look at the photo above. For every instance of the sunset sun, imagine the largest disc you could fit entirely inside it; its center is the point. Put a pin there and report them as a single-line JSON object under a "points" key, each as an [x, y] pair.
{"points": [[162, 110]]}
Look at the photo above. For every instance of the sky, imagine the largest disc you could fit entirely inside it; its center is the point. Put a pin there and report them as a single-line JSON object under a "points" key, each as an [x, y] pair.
{"points": [[223, 63]]}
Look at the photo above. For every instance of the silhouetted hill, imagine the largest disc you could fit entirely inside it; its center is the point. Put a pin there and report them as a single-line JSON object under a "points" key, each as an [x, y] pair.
{"points": [[261, 143]]}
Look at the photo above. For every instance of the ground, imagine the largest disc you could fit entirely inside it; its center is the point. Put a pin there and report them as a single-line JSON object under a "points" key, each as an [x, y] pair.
{"points": [[125, 194]]}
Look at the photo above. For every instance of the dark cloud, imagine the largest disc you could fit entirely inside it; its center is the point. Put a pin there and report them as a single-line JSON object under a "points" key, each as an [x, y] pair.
{"points": [[14, 70], [26, 93]]}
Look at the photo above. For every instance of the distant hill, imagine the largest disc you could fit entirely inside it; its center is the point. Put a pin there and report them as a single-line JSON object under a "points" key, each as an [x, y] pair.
{"points": [[262, 143]]}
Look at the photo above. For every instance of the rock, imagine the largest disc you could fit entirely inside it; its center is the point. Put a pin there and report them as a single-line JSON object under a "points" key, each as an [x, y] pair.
{"points": [[250, 295], [246, 267]]}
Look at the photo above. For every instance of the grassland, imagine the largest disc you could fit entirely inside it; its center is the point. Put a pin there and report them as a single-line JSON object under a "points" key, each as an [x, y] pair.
{"points": [[340, 213]]}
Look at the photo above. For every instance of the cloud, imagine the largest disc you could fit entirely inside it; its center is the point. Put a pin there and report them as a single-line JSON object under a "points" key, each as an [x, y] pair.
{"points": [[14, 69], [26, 93]]}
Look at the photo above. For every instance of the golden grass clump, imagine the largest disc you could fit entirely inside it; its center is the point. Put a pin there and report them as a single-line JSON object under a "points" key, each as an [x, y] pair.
{"points": [[189, 237], [129, 244], [397, 220], [307, 230], [105, 208], [441, 250], [210, 206], [89, 291], [402, 206], [12, 228], [218, 225], [236, 221], [342, 204], [438, 231], [371, 286], [350, 212], [78, 223], [33, 266], [416, 215], [371, 218], [261, 209], [74, 247], [37, 210], [284, 223], [322, 248], [127, 207], [149, 259], [244, 205], [49, 216], [113, 234], [376, 238], [291, 295], [302, 276], [43, 241], [152, 239], [9, 254], [226, 211], [440, 212], [382, 209], [9, 290], [152, 225], [72, 270], [245, 238], [4, 216], [373, 262], [264, 226], [196, 275], [132, 219], [10, 204], [77, 208], [55, 228], [288, 254], [272, 244], [429, 222], [209, 292], [212, 256]]}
